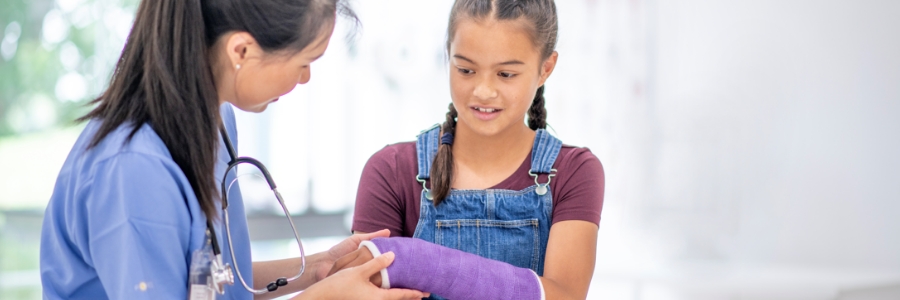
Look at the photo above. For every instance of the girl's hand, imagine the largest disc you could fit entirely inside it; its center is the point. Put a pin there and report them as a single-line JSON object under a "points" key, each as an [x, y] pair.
{"points": [[343, 248], [353, 283]]}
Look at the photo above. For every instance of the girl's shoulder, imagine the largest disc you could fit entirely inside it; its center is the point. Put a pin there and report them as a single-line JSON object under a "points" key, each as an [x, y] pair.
{"points": [[402, 149], [574, 157], [394, 153], [395, 159], [579, 185], [577, 170]]}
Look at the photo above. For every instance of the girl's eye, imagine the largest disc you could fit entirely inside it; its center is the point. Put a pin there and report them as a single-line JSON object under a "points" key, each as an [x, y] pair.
{"points": [[506, 75], [465, 71]]}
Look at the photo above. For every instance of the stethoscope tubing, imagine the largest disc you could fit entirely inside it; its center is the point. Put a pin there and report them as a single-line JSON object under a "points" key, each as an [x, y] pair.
{"points": [[234, 161]]}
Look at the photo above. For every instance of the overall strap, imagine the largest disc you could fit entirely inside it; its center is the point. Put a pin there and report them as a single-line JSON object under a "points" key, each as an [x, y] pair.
{"points": [[427, 144], [544, 152]]}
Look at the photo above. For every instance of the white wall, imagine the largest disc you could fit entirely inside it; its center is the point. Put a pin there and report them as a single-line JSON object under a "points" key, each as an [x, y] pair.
{"points": [[750, 140], [772, 132]]}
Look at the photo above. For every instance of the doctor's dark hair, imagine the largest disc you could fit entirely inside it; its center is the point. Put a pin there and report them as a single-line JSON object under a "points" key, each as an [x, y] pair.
{"points": [[540, 20], [164, 76]]}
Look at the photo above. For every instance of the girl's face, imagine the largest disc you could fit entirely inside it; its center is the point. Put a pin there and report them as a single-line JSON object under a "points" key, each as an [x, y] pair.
{"points": [[495, 70], [264, 77]]}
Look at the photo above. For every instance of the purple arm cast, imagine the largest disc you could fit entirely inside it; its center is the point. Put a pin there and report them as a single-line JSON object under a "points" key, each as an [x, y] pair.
{"points": [[451, 273]]}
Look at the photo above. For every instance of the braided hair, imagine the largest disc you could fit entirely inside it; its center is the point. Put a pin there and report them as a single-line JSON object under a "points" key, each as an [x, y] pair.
{"points": [[541, 17]]}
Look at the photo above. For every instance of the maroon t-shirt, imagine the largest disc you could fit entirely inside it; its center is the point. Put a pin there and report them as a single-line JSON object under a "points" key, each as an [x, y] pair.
{"points": [[389, 195]]}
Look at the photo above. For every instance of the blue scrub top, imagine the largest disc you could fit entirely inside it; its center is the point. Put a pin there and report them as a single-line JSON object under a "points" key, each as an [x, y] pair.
{"points": [[123, 221]]}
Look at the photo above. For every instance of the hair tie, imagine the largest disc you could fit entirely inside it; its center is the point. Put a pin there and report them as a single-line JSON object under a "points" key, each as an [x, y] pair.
{"points": [[447, 139]]}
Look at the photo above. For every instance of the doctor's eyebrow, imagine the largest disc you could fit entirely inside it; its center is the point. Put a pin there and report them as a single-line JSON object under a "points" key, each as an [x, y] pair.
{"points": [[509, 62]]}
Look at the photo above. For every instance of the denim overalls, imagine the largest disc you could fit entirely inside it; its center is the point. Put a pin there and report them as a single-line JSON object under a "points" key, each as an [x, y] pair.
{"points": [[505, 225]]}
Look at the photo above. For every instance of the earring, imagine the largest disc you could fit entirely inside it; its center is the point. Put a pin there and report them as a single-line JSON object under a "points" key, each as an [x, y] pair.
{"points": [[237, 66]]}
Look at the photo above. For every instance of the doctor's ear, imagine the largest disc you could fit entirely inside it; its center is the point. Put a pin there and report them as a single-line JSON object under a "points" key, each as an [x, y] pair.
{"points": [[240, 46]]}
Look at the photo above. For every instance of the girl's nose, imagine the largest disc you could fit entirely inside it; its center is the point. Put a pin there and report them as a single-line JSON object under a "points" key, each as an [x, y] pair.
{"points": [[485, 90]]}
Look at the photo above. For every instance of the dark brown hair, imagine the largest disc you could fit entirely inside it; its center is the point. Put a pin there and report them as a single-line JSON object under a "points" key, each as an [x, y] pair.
{"points": [[164, 77], [541, 20]]}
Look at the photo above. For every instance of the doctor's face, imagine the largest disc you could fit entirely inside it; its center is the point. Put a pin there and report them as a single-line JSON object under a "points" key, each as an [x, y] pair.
{"points": [[261, 80]]}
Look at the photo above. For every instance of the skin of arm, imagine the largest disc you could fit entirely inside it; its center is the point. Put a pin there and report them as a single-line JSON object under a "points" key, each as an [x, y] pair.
{"points": [[570, 258], [568, 266], [318, 266], [267, 271], [353, 283]]}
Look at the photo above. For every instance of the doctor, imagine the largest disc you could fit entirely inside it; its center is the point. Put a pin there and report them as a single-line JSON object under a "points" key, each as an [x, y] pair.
{"points": [[132, 202]]}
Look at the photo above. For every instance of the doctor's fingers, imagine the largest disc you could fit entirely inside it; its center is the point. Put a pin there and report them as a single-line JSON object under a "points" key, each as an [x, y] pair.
{"points": [[376, 265], [373, 267], [355, 258], [397, 294]]}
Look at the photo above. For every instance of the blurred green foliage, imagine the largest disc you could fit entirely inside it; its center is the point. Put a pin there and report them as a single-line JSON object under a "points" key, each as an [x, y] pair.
{"points": [[33, 93]]}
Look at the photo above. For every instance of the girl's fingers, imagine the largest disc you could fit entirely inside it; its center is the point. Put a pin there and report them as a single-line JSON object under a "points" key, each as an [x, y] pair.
{"points": [[377, 234]]}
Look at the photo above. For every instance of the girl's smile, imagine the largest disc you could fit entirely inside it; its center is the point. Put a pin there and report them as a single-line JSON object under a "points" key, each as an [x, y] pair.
{"points": [[485, 113], [495, 70]]}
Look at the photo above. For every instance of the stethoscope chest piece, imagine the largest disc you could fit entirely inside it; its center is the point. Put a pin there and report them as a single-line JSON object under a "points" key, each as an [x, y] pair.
{"points": [[220, 275]]}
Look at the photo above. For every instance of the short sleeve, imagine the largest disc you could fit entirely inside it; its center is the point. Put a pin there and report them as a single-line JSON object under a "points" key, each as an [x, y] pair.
{"points": [[579, 191], [378, 201], [139, 228]]}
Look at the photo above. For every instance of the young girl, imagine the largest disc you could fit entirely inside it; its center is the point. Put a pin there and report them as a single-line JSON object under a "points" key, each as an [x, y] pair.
{"points": [[484, 182], [136, 200]]}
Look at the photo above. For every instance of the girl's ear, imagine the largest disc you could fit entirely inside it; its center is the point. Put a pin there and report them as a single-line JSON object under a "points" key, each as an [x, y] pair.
{"points": [[548, 66]]}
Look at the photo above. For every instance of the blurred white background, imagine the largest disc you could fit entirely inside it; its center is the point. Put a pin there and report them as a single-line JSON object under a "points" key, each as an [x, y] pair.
{"points": [[749, 146]]}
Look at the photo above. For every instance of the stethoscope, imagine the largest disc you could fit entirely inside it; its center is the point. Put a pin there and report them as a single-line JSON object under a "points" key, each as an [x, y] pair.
{"points": [[221, 273]]}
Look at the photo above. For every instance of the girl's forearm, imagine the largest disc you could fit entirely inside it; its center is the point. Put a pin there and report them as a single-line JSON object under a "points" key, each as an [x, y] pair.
{"points": [[452, 273]]}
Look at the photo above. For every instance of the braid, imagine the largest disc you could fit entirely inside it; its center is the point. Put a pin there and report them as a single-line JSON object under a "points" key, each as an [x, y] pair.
{"points": [[442, 168], [450, 121], [537, 114]]}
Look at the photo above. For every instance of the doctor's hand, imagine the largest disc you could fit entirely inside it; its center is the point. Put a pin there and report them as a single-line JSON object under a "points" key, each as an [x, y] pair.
{"points": [[353, 259], [353, 283], [343, 248]]}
